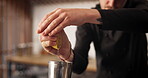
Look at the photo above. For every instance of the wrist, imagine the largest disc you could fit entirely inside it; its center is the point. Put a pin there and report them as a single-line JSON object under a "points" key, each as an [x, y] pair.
{"points": [[67, 55], [92, 16], [69, 58]]}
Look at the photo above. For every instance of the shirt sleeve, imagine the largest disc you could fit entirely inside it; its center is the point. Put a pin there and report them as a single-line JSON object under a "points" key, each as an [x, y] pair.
{"points": [[125, 19], [82, 46]]}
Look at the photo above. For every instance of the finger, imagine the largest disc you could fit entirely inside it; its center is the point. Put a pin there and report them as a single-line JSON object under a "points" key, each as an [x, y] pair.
{"points": [[59, 28], [48, 43], [54, 24], [44, 21], [46, 38], [45, 24], [50, 50], [44, 18]]}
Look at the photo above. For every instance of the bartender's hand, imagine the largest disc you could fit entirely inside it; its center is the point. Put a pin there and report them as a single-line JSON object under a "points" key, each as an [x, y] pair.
{"points": [[55, 21], [64, 50]]}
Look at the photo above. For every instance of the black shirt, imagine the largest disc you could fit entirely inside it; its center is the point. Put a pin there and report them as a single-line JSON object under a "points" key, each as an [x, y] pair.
{"points": [[119, 54]]}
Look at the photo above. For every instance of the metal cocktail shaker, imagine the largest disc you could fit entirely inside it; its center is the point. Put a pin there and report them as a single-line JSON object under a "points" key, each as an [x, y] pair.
{"points": [[59, 69]]}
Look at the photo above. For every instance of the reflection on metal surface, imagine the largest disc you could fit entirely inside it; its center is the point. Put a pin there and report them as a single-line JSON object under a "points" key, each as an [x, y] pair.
{"points": [[59, 69]]}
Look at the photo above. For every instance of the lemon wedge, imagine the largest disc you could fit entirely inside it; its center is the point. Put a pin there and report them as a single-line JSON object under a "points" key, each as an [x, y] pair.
{"points": [[58, 42]]}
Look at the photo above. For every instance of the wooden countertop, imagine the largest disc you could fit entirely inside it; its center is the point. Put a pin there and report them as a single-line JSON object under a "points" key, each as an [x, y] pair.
{"points": [[42, 60]]}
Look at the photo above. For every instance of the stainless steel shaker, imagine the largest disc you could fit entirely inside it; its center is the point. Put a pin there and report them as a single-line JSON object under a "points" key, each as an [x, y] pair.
{"points": [[59, 69]]}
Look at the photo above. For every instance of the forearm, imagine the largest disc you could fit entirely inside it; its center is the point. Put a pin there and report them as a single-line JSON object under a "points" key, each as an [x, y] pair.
{"points": [[92, 16], [81, 49], [131, 20], [79, 63]]}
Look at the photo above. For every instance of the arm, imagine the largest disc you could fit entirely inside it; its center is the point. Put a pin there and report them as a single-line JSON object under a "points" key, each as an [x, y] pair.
{"points": [[83, 40], [127, 19], [135, 20], [58, 19]]}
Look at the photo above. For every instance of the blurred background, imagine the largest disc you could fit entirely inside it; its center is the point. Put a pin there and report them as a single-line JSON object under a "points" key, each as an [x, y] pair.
{"points": [[21, 54]]}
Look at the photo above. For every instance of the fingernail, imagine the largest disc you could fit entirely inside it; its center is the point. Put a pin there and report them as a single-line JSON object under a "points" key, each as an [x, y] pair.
{"points": [[39, 30]]}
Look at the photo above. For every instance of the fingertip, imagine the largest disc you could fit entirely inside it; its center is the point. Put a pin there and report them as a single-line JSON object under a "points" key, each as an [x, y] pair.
{"points": [[38, 31], [44, 33]]}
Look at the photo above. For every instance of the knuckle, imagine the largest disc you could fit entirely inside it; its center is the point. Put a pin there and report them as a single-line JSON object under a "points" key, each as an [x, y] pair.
{"points": [[60, 10], [64, 14], [46, 15], [61, 27], [54, 22], [68, 19], [55, 30], [57, 9]]}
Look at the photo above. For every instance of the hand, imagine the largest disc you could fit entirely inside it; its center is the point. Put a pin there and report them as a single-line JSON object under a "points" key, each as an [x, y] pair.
{"points": [[58, 19], [48, 42]]}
